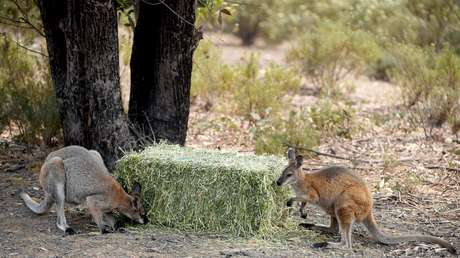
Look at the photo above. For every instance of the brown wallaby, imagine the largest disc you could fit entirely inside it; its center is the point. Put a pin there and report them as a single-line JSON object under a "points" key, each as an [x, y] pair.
{"points": [[345, 197], [74, 174]]}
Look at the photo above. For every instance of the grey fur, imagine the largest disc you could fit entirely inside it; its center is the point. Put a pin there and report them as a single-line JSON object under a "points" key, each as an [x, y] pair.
{"points": [[75, 175]]}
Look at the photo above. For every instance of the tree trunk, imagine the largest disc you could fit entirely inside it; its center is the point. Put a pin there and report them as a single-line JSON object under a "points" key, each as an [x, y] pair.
{"points": [[83, 49], [161, 67]]}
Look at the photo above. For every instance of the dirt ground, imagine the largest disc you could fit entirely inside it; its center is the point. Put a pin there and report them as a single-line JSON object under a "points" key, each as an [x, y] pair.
{"points": [[24, 234], [412, 190]]}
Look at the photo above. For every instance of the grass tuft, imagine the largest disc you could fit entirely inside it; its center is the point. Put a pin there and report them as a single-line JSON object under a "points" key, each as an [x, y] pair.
{"points": [[208, 190]]}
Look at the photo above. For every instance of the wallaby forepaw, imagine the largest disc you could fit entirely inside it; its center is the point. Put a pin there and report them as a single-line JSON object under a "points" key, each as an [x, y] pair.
{"points": [[118, 225], [69, 231], [106, 229], [320, 245], [303, 216]]}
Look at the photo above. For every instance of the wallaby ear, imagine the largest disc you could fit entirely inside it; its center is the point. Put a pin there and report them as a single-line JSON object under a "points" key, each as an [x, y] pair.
{"points": [[136, 188], [291, 154], [298, 160], [134, 202]]}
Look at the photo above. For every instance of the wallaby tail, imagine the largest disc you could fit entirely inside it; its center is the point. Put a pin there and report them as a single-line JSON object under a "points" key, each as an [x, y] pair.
{"points": [[38, 208], [373, 229]]}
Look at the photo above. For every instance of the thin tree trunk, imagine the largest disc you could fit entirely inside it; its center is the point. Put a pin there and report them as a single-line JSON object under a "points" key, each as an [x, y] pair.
{"points": [[83, 48], [161, 67]]}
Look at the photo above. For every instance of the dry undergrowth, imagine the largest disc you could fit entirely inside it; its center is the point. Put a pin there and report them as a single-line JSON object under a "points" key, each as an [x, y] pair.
{"points": [[415, 180]]}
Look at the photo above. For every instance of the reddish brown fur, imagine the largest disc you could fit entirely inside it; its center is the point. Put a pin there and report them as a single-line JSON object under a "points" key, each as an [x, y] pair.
{"points": [[345, 197]]}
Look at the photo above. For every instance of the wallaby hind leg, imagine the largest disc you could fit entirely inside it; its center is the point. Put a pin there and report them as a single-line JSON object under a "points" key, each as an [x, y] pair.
{"points": [[55, 182], [61, 220], [345, 217]]}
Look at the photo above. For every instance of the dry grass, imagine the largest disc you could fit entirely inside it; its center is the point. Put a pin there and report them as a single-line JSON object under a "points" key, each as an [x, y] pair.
{"points": [[208, 190]]}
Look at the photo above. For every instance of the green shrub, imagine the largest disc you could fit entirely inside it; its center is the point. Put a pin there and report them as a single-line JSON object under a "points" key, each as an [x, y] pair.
{"points": [[331, 52], [261, 92], [272, 134], [28, 102], [208, 190], [254, 89], [382, 67], [286, 79], [210, 77], [24, 11], [426, 22], [248, 19], [430, 84], [277, 21], [438, 23], [333, 119]]}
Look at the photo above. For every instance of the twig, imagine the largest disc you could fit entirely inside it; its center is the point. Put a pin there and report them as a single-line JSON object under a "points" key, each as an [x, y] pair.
{"points": [[24, 47], [367, 161], [39, 31], [25, 19], [444, 168], [152, 132], [450, 211], [10, 19], [333, 156], [175, 13], [241, 3], [162, 2], [348, 167], [13, 22], [152, 4]]}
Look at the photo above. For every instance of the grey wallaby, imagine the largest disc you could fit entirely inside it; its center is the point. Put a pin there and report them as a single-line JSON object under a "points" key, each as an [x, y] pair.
{"points": [[74, 175]]}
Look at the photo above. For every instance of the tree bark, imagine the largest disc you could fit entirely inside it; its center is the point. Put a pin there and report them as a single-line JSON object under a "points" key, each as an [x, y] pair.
{"points": [[161, 67], [82, 43]]}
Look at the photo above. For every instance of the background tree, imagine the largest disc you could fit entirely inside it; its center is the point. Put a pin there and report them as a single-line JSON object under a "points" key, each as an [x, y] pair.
{"points": [[161, 65], [83, 54]]}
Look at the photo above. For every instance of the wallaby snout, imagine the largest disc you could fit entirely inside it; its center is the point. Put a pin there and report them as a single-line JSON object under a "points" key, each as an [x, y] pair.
{"points": [[145, 219], [279, 182]]}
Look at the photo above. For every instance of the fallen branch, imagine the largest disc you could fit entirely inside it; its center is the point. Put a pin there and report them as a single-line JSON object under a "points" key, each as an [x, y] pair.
{"points": [[333, 156], [444, 168], [367, 161]]}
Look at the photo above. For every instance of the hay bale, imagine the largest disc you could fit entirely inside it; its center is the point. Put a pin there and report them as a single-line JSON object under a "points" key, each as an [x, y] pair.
{"points": [[208, 190]]}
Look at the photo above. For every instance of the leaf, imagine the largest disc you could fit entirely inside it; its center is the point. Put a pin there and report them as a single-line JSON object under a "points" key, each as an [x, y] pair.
{"points": [[226, 11]]}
